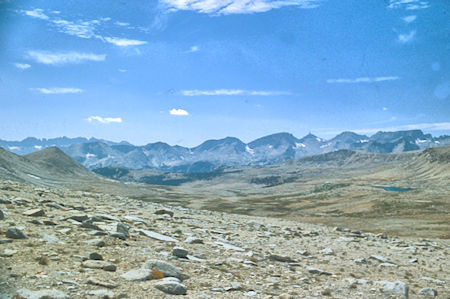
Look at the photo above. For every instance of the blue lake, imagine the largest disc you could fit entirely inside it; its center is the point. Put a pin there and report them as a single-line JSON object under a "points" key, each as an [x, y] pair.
{"points": [[394, 189]]}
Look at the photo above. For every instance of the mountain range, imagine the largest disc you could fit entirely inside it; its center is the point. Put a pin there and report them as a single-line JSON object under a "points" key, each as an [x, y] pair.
{"points": [[230, 151]]}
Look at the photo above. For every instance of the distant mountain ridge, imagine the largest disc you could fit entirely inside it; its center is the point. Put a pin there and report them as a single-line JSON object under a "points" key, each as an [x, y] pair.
{"points": [[230, 151]]}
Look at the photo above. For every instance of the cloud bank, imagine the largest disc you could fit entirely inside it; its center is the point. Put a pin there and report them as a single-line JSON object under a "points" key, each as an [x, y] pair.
{"points": [[58, 90], [409, 4], [226, 7], [55, 58], [232, 92], [84, 29], [363, 79]]}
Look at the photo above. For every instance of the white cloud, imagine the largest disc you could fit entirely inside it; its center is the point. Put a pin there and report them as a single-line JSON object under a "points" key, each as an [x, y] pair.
{"points": [[232, 92], [123, 42], [178, 112], [194, 49], [224, 7], [409, 4], [36, 13], [122, 70], [58, 90], [385, 108], [406, 38], [104, 120], [54, 58], [409, 19], [85, 29], [363, 79], [123, 24], [82, 29], [22, 66]]}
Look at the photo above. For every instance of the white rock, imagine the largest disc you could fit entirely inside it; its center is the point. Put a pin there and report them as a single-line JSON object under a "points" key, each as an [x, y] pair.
{"points": [[154, 235], [137, 275], [396, 288]]}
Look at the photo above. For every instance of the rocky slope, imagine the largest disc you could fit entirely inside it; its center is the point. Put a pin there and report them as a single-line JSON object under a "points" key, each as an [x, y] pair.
{"points": [[57, 243]]}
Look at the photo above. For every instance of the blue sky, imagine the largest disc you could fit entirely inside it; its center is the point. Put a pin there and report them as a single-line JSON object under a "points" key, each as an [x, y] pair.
{"points": [[183, 71]]}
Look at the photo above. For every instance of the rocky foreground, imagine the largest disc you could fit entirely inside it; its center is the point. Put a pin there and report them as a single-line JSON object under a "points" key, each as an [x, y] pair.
{"points": [[56, 243]]}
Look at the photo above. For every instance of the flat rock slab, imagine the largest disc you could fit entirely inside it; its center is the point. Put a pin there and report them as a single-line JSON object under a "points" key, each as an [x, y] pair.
{"points": [[8, 253], [279, 258], [229, 246], [396, 288], [171, 287], [317, 271], [34, 212], [102, 283], [138, 275], [167, 269], [95, 264], [54, 294], [154, 235]]}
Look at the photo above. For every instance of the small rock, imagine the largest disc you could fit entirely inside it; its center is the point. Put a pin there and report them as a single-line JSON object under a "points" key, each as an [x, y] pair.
{"points": [[108, 217], [102, 293], [428, 292], [317, 271], [235, 286], [8, 253], [380, 258], [229, 246], [34, 212], [327, 251], [303, 252], [95, 256], [92, 264], [48, 222], [137, 275], [43, 260], [110, 268], [95, 242], [154, 235], [55, 206], [49, 238], [396, 288], [90, 225], [15, 233], [2, 216], [79, 217], [102, 283], [164, 211], [180, 252], [122, 231], [171, 287], [167, 269], [5, 201], [279, 258], [193, 240]]}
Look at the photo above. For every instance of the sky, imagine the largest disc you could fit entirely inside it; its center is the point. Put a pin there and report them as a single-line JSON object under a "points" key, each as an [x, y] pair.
{"points": [[184, 71]]}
